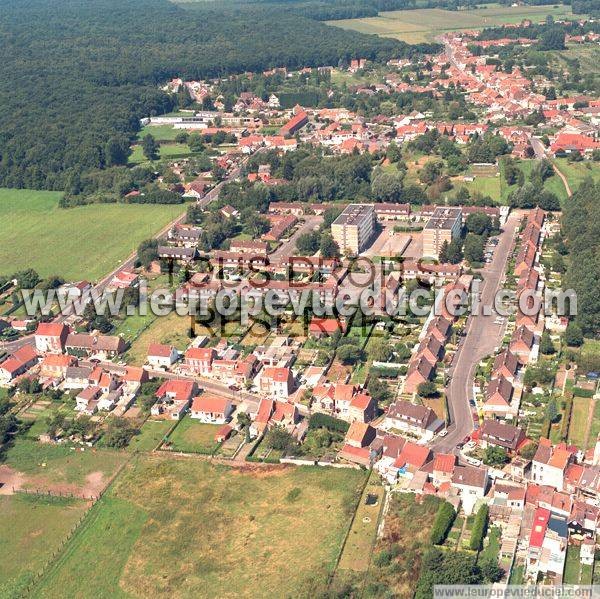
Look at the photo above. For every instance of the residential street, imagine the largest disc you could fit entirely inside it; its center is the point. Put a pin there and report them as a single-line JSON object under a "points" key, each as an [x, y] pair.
{"points": [[483, 336]]}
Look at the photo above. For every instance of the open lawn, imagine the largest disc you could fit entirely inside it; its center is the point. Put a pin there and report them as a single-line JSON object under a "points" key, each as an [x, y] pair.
{"points": [[193, 436], [60, 468], [32, 528], [577, 172], [579, 419], [151, 433], [167, 151], [423, 25], [83, 242], [186, 528], [160, 132], [361, 537]]}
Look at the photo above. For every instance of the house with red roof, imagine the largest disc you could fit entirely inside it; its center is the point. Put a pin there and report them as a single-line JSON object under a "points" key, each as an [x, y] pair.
{"points": [[55, 366], [547, 549], [550, 463], [443, 468], [211, 409], [174, 397], [324, 327], [17, 364], [275, 381], [50, 337], [161, 356], [200, 359]]}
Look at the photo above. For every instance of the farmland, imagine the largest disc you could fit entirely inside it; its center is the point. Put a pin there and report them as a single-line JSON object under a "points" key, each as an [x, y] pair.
{"points": [[187, 528], [83, 242], [423, 25]]}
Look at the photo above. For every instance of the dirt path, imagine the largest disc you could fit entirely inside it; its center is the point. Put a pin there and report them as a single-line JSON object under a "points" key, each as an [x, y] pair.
{"points": [[564, 180]]}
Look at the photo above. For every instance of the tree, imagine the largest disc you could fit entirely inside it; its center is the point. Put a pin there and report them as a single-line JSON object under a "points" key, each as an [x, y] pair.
{"points": [[552, 410], [495, 456], [529, 450], [308, 243], [150, 147], [349, 354], [328, 246], [491, 571], [27, 279], [546, 345], [278, 438], [427, 389], [552, 39], [443, 523], [380, 350], [378, 389], [147, 252], [387, 187], [474, 248], [479, 528], [573, 335], [454, 252], [119, 432], [478, 223], [443, 256]]}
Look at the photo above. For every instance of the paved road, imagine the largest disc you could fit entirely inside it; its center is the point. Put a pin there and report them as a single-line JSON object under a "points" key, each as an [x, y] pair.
{"points": [[483, 336]]}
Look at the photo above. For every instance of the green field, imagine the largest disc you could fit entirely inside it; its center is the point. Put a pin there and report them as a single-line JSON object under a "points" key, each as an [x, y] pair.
{"points": [[423, 25], [83, 242], [579, 419], [33, 527], [193, 436], [577, 172], [159, 132], [61, 468], [186, 528], [151, 433], [167, 151]]}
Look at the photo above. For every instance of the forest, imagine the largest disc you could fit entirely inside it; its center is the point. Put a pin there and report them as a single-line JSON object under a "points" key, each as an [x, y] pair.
{"points": [[581, 230], [76, 77]]}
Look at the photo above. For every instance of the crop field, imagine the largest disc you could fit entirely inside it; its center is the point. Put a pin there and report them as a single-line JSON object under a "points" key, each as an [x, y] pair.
{"points": [[186, 528], [423, 25], [32, 528], [75, 243]]}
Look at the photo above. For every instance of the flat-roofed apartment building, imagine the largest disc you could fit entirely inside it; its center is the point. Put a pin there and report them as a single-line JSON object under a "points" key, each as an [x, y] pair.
{"points": [[353, 228], [444, 225]]}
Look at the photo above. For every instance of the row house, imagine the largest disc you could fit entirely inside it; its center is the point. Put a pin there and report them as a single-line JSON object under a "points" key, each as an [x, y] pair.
{"points": [[50, 337], [185, 235], [547, 549], [506, 365], [550, 463], [498, 399], [89, 344], [471, 483], [276, 382], [498, 434], [275, 413], [344, 401], [54, 366]]}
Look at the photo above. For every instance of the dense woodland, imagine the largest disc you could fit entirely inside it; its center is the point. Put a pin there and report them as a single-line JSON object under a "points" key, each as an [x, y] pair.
{"points": [[75, 77], [581, 230]]}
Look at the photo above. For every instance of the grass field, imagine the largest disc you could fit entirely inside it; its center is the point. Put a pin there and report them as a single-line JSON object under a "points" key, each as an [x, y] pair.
{"points": [[167, 151], [150, 435], [33, 527], [579, 418], [172, 330], [84, 242], [423, 25], [577, 172], [159, 132], [186, 528], [61, 468], [190, 435]]}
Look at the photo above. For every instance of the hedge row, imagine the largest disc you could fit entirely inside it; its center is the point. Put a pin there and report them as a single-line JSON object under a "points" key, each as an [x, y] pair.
{"points": [[479, 528]]}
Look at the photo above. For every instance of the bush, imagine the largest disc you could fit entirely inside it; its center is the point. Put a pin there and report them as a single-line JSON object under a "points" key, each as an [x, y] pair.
{"points": [[443, 523], [479, 528]]}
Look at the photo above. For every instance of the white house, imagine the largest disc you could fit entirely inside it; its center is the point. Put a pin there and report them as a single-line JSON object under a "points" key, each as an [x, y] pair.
{"points": [[211, 409], [162, 356]]}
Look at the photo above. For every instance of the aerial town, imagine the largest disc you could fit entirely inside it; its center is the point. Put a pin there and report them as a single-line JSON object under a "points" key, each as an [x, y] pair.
{"points": [[302, 336]]}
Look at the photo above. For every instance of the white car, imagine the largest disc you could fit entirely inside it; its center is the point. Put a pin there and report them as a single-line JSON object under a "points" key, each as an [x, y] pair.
{"points": [[443, 433]]}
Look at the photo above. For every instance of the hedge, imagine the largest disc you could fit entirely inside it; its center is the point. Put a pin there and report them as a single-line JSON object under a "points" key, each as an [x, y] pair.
{"points": [[579, 392], [442, 523], [479, 528], [319, 420]]}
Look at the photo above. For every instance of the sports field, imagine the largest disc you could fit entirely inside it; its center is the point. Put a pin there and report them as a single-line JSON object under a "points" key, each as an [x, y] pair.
{"points": [[423, 25], [75, 243], [186, 528]]}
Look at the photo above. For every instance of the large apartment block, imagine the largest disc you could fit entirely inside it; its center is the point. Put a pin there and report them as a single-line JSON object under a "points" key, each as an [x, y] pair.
{"points": [[444, 225], [353, 228]]}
